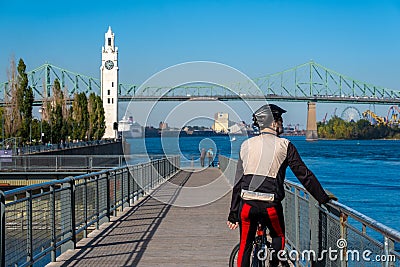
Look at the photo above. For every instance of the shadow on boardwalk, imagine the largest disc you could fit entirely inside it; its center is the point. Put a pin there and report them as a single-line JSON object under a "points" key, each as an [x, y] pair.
{"points": [[122, 242], [153, 233]]}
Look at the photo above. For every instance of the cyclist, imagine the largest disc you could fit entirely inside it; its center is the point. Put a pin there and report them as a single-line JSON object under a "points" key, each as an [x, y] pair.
{"points": [[259, 183]]}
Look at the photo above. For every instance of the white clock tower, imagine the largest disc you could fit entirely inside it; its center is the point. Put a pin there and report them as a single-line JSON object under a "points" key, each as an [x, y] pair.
{"points": [[109, 83]]}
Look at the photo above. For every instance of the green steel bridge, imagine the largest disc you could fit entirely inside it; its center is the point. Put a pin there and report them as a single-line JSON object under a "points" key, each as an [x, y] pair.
{"points": [[307, 82]]}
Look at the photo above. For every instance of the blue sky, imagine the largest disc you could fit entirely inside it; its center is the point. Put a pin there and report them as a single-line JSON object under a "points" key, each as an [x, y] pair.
{"points": [[357, 38]]}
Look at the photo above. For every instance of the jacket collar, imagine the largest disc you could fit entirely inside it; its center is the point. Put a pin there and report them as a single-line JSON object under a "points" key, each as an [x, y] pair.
{"points": [[268, 131]]}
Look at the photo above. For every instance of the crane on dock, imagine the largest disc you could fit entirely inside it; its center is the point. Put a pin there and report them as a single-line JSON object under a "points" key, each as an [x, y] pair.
{"points": [[369, 115]]}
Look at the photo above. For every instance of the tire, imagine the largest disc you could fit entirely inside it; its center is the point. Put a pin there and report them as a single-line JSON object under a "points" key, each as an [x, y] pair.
{"points": [[254, 261], [233, 257]]}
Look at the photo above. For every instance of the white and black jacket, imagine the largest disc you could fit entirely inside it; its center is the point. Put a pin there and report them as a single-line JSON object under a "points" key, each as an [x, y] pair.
{"points": [[262, 168]]}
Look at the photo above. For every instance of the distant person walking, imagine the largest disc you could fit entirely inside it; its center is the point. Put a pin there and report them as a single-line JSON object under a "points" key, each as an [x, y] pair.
{"points": [[210, 156], [202, 156]]}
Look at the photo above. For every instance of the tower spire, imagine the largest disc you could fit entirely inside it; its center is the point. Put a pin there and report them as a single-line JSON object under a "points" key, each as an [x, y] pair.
{"points": [[109, 40]]}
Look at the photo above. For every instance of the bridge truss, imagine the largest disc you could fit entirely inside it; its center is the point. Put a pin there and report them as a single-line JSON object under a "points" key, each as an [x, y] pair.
{"points": [[307, 82]]}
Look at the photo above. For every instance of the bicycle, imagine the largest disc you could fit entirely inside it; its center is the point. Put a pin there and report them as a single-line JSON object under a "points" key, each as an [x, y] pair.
{"points": [[261, 251]]}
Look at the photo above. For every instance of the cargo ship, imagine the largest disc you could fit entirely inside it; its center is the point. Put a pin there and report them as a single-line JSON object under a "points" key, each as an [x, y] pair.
{"points": [[128, 128]]}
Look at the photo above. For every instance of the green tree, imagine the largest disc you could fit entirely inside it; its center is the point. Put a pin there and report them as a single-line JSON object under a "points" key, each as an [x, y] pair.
{"points": [[56, 118], [24, 101], [101, 119], [2, 123], [12, 118], [47, 131], [96, 117], [80, 116], [35, 131], [57, 124], [337, 128], [93, 116]]}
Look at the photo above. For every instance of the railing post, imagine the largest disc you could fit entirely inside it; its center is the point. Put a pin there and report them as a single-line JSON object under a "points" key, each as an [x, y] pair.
{"points": [[68, 214], [167, 164], [121, 173], [314, 223], [343, 235], [91, 162], [97, 202], [53, 223], [158, 172], [115, 193], [25, 163], [108, 189], [73, 219], [162, 168], [297, 221], [388, 246], [140, 177], [3, 229], [29, 229], [145, 179], [128, 176], [85, 207], [135, 184], [150, 178], [153, 170]]}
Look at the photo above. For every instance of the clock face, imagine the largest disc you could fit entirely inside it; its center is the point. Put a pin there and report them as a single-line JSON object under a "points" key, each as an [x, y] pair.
{"points": [[109, 64]]}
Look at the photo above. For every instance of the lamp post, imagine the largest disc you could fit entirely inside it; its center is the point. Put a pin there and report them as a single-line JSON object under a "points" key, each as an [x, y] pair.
{"points": [[41, 125], [3, 132], [30, 133]]}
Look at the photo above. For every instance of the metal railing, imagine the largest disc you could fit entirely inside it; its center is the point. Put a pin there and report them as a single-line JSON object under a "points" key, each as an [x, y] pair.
{"points": [[31, 149], [336, 236], [41, 221], [55, 163]]}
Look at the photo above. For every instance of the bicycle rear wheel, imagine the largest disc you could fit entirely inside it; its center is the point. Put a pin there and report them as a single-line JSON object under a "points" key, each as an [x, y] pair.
{"points": [[234, 256], [254, 261]]}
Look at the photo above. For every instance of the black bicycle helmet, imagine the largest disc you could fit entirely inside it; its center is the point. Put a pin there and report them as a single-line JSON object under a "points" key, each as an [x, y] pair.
{"points": [[265, 115]]}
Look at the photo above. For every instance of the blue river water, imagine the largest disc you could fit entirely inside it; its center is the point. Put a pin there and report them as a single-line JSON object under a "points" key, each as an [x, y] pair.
{"points": [[363, 174]]}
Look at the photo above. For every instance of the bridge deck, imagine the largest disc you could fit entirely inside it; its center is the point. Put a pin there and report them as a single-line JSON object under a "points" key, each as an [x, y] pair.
{"points": [[153, 233]]}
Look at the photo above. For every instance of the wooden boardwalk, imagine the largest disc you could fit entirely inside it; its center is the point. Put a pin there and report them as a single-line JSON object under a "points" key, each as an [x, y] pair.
{"points": [[153, 233]]}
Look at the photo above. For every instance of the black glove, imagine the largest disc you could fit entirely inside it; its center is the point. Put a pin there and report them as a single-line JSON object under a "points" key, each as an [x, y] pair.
{"points": [[332, 196], [233, 217], [328, 207]]}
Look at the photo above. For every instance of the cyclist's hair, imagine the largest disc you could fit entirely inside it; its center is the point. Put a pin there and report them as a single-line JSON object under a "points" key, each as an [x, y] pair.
{"points": [[266, 115]]}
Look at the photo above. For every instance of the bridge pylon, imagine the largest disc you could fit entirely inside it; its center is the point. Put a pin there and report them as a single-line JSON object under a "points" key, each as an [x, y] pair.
{"points": [[311, 131]]}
